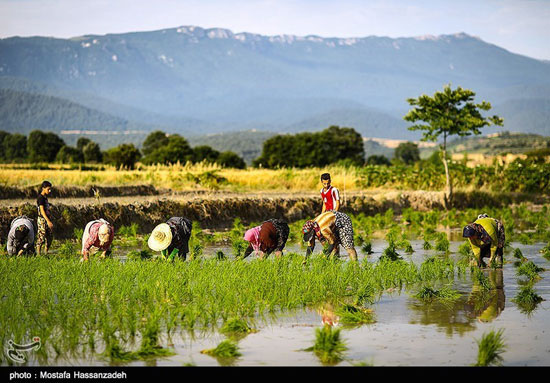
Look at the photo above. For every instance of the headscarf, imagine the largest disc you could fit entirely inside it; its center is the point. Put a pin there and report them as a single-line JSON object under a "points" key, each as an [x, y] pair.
{"points": [[310, 226], [253, 236]]}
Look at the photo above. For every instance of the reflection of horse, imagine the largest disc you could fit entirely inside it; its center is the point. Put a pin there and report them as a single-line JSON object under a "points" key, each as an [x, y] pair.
{"points": [[486, 305], [328, 317]]}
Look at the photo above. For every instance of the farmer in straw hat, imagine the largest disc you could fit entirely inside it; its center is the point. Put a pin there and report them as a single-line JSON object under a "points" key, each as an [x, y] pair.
{"points": [[268, 237], [171, 238], [487, 239], [21, 236], [332, 227], [98, 235]]}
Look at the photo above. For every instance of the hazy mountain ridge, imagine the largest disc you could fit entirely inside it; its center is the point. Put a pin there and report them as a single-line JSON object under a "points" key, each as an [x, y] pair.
{"points": [[194, 80]]}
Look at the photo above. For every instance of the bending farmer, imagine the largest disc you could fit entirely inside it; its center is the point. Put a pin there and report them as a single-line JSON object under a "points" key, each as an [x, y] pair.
{"points": [[21, 236], [268, 237], [486, 236], [333, 227], [98, 235], [171, 238]]}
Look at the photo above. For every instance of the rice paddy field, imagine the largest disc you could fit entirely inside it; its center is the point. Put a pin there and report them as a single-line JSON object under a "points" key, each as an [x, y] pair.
{"points": [[412, 299]]}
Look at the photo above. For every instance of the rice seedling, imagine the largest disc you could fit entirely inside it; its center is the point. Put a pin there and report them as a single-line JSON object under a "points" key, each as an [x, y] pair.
{"points": [[225, 349], [328, 347], [220, 256], [426, 245], [442, 243], [351, 315], [518, 254], [365, 295], [129, 231], [429, 294], [490, 348], [529, 269], [527, 299], [78, 233], [481, 279], [546, 251], [367, 247], [67, 250], [236, 328], [391, 253], [139, 254]]}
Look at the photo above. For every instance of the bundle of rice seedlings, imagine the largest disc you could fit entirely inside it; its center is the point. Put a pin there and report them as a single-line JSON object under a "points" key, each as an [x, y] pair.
{"points": [[226, 349], [429, 294], [490, 348], [236, 326], [527, 299], [353, 315], [328, 347], [529, 269]]}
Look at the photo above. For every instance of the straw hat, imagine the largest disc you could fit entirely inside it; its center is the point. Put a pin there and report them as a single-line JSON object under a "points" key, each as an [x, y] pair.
{"points": [[160, 238]]}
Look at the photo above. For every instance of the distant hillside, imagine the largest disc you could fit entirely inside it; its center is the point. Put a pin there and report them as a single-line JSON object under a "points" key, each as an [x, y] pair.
{"points": [[495, 144], [190, 80], [24, 112], [247, 144]]}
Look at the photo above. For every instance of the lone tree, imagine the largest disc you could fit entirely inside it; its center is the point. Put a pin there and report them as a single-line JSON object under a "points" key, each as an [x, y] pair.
{"points": [[451, 112]]}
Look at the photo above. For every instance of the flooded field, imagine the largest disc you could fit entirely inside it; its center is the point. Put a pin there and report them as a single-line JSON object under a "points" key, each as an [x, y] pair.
{"points": [[407, 331]]}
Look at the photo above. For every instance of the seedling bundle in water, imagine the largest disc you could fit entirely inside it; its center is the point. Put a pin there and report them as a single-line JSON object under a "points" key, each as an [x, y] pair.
{"points": [[328, 347], [490, 348], [527, 299]]}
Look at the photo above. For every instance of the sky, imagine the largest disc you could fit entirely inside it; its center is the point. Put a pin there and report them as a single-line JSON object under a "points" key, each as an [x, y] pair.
{"points": [[520, 26]]}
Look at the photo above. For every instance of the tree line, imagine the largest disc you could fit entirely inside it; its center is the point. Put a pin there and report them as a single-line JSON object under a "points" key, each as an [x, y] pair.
{"points": [[158, 147]]}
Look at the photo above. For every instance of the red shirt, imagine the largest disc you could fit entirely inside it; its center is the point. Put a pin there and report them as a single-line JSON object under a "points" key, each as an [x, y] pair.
{"points": [[329, 196]]}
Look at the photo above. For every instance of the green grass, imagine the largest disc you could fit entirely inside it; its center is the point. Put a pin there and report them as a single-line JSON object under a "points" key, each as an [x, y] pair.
{"points": [[490, 348], [328, 347]]}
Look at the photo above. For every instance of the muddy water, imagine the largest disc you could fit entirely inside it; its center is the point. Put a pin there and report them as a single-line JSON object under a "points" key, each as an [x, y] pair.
{"points": [[407, 332]]}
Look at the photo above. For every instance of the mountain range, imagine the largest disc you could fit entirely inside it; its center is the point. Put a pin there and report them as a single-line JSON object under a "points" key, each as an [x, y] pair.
{"points": [[196, 81]]}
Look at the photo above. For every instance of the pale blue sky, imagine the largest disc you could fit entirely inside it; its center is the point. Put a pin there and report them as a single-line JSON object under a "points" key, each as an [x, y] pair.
{"points": [[521, 26]]}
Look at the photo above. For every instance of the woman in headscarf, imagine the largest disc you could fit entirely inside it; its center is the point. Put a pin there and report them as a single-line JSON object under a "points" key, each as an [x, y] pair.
{"points": [[21, 236], [171, 238], [487, 239], [332, 228], [270, 236], [98, 235]]}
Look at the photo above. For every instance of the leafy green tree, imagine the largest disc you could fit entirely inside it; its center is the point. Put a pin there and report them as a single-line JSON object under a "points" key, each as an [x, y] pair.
{"points": [[407, 152], [378, 160], [447, 113], [15, 147], [43, 147], [92, 153], [82, 142], [154, 141], [177, 149], [231, 160], [69, 155], [312, 149], [125, 155], [205, 152]]}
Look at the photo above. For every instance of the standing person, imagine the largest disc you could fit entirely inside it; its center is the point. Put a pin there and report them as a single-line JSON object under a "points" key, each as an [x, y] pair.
{"points": [[44, 222], [329, 194], [172, 238], [98, 235], [268, 237], [333, 227], [487, 239], [21, 236]]}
